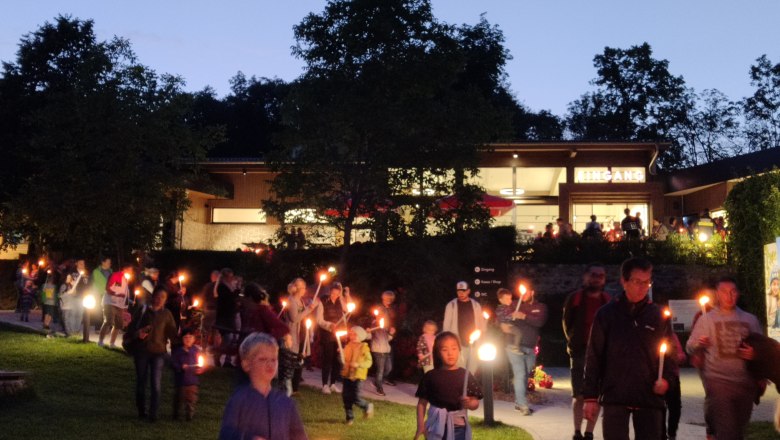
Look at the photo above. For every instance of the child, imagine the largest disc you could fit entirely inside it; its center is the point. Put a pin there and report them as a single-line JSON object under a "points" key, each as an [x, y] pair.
{"points": [[257, 410], [357, 360], [425, 346], [442, 387], [27, 301], [184, 360], [504, 314]]}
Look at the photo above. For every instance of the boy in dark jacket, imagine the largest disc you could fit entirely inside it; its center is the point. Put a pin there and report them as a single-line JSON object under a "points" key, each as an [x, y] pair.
{"points": [[187, 365]]}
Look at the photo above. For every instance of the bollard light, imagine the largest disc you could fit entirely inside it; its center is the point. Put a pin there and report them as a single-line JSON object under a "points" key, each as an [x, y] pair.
{"points": [[487, 354]]}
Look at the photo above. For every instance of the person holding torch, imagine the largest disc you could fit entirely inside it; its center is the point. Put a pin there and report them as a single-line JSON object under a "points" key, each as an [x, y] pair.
{"points": [[331, 311], [297, 312], [115, 303], [622, 359], [381, 336]]}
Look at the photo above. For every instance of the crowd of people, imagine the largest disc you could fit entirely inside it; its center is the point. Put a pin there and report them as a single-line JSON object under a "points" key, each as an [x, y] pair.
{"points": [[613, 344], [632, 227]]}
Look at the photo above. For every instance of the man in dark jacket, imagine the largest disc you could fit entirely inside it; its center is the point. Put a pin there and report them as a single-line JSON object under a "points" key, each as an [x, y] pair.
{"points": [[579, 311], [622, 359]]}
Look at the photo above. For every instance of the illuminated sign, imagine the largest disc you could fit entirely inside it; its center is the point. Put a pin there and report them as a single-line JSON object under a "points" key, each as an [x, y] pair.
{"points": [[607, 175]]}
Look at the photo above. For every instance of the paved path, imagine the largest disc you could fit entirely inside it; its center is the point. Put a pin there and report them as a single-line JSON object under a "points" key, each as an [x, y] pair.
{"points": [[551, 419]]}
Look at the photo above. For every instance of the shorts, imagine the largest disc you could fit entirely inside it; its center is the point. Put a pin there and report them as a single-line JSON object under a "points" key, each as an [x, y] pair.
{"points": [[577, 375], [112, 315]]}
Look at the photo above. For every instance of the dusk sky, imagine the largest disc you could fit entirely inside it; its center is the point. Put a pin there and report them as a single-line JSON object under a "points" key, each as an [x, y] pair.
{"points": [[710, 43]]}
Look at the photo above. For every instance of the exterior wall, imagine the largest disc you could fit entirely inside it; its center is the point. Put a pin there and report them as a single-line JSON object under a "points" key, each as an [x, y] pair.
{"points": [[249, 190], [711, 198], [13, 254]]}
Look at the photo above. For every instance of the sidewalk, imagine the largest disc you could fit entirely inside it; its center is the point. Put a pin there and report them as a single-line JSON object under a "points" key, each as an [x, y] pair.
{"points": [[552, 420]]}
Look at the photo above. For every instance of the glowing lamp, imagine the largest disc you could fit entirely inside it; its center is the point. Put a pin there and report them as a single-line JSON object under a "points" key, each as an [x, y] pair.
{"points": [[703, 237], [487, 352], [89, 302]]}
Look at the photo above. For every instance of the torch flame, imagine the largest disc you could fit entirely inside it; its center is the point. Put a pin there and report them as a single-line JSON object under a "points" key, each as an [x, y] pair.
{"points": [[24, 271], [474, 336], [351, 307], [308, 324], [663, 347], [486, 315], [41, 263], [667, 312], [81, 272], [195, 303], [200, 361], [523, 290], [127, 276], [341, 333], [284, 304], [323, 277], [376, 312], [137, 292], [704, 300], [181, 278], [382, 323]]}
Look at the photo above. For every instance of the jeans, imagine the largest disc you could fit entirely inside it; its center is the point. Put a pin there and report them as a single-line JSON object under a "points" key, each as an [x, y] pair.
{"points": [[351, 396], [522, 365], [384, 364], [331, 364], [647, 422], [728, 407], [148, 366]]}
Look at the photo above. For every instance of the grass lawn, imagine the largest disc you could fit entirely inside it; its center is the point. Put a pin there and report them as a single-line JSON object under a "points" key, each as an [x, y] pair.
{"points": [[84, 391]]}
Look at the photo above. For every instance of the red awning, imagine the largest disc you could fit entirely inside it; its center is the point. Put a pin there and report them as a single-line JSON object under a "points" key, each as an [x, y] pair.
{"points": [[497, 205]]}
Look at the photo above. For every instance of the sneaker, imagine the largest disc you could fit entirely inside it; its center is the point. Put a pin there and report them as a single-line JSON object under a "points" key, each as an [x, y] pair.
{"points": [[335, 389], [524, 410], [369, 411], [589, 436], [578, 436], [325, 389], [380, 391]]}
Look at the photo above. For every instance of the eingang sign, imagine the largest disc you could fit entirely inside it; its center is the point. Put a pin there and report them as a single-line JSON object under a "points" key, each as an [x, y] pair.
{"points": [[609, 175]]}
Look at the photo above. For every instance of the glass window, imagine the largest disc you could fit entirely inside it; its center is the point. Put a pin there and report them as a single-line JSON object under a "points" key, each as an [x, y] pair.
{"points": [[238, 215]]}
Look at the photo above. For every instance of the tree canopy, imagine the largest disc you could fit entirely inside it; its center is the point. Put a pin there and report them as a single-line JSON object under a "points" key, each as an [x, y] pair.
{"points": [[97, 147], [392, 104]]}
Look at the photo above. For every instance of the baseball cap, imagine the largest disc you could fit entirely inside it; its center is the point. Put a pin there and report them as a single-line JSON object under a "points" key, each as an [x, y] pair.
{"points": [[462, 285]]}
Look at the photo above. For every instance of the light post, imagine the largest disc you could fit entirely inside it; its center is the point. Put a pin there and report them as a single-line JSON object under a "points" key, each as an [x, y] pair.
{"points": [[487, 354], [89, 304]]}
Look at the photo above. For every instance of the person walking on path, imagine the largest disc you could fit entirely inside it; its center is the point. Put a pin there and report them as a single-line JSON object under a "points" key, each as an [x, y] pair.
{"points": [[295, 316], [357, 361], [729, 387], [528, 318], [579, 310], [462, 316], [329, 315], [622, 359], [381, 336], [115, 304]]}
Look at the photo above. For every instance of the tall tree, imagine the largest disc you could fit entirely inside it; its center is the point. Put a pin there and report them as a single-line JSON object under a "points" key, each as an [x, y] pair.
{"points": [[712, 130], [97, 147], [391, 102], [762, 110], [636, 99]]}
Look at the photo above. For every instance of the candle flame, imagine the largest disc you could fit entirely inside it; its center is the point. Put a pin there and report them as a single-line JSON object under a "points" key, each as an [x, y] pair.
{"points": [[284, 304], [376, 312], [341, 333], [667, 312], [523, 289], [351, 307], [200, 360], [41, 263], [24, 271], [323, 277], [382, 323], [181, 278], [196, 303], [48, 271], [486, 315], [137, 292], [81, 272], [704, 300], [474, 336], [663, 347], [127, 276], [308, 324]]}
